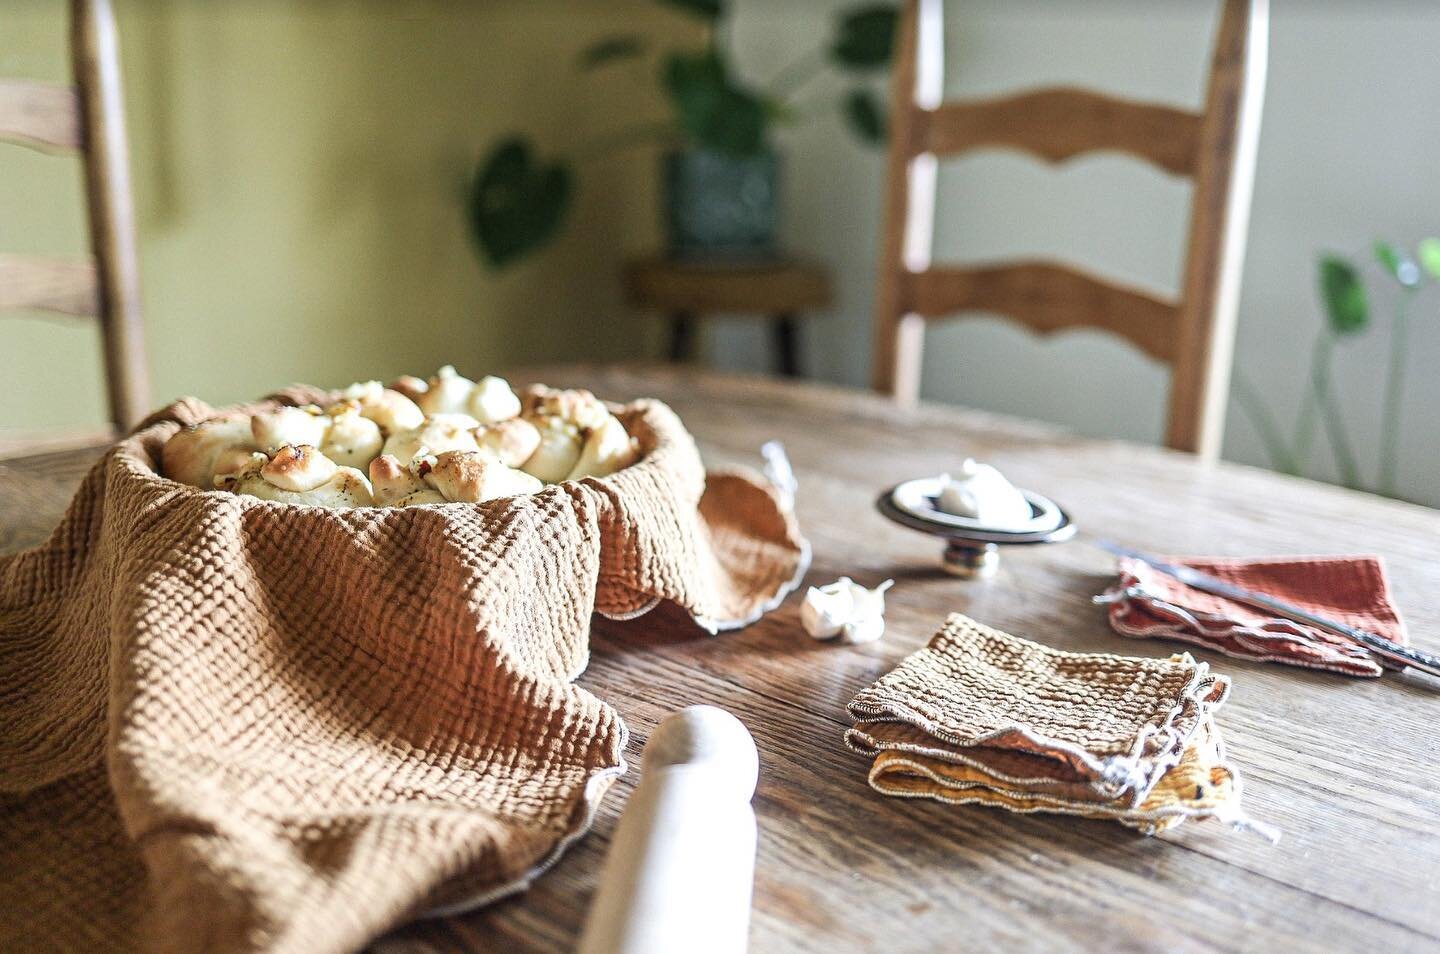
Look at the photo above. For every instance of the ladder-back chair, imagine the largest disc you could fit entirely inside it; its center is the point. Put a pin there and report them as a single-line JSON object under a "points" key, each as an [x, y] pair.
{"points": [[1215, 148], [86, 117]]}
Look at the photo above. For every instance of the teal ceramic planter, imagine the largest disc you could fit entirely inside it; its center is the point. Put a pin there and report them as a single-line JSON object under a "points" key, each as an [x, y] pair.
{"points": [[719, 206]]}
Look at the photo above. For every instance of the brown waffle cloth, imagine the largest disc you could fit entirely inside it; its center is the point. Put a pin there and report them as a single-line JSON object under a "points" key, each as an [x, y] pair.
{"points": [[980, 716], [228, 724]]}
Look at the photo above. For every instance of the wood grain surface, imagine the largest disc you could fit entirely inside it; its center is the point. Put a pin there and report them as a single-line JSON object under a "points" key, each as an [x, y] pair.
{"points": [[1346, 768]]}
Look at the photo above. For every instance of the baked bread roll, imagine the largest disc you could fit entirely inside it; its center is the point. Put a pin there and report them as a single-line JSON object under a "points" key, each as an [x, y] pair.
{"points": [[396, 485], [200, 452], [510, 442], [444, 432], [300, 475], [608, 448], [413, 456], [272, 430], [575, 406], [474, 478], [351, 440], [560, 445], [492, 400], [390, 409], [489, 400]]}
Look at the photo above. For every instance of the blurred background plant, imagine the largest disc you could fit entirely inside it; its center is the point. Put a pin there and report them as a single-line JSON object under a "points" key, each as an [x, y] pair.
{"points": [[518, 201], [1346, 299]]}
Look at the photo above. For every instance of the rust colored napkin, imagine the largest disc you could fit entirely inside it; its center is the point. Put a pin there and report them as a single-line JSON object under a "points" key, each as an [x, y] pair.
{"points": [[1349, 589], [230, 725], [980, 716]]}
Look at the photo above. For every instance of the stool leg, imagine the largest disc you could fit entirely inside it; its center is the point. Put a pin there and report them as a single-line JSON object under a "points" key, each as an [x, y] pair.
{"points": [[785, 344], [682, 333]]}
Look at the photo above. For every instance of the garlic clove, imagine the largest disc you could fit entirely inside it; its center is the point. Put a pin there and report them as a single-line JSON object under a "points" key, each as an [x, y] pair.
{"points": [[847, 609]]}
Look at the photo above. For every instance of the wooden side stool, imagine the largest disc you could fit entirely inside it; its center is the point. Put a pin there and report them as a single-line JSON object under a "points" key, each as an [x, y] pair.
{"points": [[686, 291]]}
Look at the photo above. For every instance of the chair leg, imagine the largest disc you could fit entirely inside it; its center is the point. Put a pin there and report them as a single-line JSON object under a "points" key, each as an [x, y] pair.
{"points": [[682, 334], [786, 345]]}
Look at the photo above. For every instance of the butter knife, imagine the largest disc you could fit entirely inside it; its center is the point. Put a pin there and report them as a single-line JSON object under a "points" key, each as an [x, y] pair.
{"points": [[1386, 649]]}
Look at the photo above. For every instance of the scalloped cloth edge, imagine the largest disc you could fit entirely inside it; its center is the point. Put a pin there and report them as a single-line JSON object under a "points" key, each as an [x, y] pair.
{"points": [[228, 724]]}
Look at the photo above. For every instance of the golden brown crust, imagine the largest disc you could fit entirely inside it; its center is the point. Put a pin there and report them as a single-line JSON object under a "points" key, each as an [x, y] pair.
{"points": [[298, 467], [195, 454], [474, 478], [512, 442]]}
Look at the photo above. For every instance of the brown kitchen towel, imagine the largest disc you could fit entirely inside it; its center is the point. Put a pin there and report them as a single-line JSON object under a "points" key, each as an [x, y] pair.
{"points": [[980, 716], [228, 724], [1146, 603]]}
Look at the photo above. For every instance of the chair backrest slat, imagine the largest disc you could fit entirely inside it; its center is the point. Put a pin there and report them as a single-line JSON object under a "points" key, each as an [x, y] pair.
{"points": [[40, 115], [64, 286], [1048, 297], [88, 117], [1060, 123], [1215, 148]]}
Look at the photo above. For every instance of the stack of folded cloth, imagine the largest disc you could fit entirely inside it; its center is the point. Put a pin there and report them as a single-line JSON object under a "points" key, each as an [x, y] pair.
{"points": [[980, 716], [1348, 589]]}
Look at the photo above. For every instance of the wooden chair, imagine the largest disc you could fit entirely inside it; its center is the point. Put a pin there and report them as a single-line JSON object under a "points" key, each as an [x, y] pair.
{"points": [[1215, 148], [87, 117]]}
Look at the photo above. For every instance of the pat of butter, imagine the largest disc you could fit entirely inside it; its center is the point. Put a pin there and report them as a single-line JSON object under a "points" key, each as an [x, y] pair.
{"points": [[982, 493], [845, 609]]}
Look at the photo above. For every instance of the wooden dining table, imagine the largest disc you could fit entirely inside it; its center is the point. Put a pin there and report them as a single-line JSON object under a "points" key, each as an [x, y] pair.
{"points": [[1348, 769]]}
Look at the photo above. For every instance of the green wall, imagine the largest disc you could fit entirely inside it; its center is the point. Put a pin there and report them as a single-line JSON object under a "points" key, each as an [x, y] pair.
{"points": [[299, 169]]}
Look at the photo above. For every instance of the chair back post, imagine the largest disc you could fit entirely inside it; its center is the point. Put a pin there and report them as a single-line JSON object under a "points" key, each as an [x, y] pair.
{"points": [[1219, 224], [916, 86], [96, 66]]}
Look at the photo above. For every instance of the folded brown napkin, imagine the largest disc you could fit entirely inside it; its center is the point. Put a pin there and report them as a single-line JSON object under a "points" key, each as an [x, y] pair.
{"points": [[1348, 589], [233, 725], [981, 716]]}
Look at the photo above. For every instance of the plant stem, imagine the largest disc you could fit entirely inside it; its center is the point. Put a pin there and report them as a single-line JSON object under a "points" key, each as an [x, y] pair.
{"points": [[1394, 391], [1253, 405], [796, 74], [1305, 420], [1335, 427], [624, 138]]}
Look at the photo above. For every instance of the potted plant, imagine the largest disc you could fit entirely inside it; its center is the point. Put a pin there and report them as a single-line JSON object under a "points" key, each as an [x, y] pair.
{"points": [[1347, 314], [720, 171]]}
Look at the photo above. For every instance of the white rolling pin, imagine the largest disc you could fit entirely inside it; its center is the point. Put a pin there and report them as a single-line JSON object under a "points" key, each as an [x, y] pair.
{"points": [[682, 866]]}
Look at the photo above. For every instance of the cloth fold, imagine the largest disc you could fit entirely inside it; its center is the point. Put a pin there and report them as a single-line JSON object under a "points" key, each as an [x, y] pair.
{"points": [[228, 724], [980, 716], [1145, 603]]}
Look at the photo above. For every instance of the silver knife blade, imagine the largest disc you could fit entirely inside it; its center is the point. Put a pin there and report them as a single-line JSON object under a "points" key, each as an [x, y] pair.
{"points": [[1386, 649]]}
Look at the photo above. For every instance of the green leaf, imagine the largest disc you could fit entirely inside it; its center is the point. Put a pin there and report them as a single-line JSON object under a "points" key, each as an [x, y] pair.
{"points": [[1397, 263], [866, 38], [708, 9], [865, 116], [713, 111], [1428, 252], [516, 203], [1344, 296], [609, 50]]}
